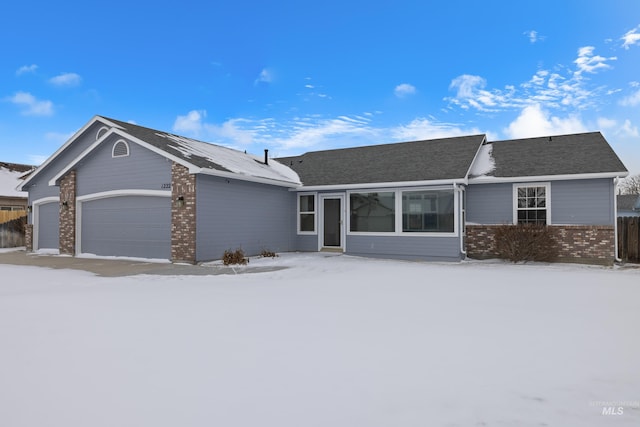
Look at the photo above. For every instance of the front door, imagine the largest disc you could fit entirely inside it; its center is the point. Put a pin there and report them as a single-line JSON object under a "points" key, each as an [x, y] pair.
{"points": [[332, 222]]}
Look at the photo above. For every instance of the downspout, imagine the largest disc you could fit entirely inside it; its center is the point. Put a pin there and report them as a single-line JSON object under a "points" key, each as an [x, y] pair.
{"points": [[461, 219], [615, 220]]}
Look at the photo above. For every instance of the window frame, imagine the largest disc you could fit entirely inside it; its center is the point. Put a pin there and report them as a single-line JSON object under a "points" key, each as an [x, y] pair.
{"points": [[547, 197], [299, 213], [398, 212], [113, 149]]}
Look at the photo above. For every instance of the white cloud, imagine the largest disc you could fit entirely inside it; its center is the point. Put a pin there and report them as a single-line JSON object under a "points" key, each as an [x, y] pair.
{"points": [[534, 121], [605, 123], [631, 38], [66, 79], [265, 76], [230, 131], [191, 124], [534, 36], [307, 132], [628, 129], [26, 69], [31, 105], [423, 128], [404, 89], [587, 62], [631, 100]]}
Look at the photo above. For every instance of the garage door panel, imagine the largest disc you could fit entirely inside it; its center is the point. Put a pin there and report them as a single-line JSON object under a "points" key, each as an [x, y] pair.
{"points": [[127, 226], [48, 226]]}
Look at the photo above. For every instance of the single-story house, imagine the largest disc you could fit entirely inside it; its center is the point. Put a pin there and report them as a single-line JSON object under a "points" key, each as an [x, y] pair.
{"points": [[116, 188], [11, 176], [628, 205]]}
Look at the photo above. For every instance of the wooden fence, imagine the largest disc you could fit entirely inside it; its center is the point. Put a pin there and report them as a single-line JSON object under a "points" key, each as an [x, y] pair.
{"points": [[629, 238], [6, 216]]}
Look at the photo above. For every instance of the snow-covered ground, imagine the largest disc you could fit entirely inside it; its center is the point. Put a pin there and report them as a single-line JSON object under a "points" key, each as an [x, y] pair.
{"points": [[330, 341]]}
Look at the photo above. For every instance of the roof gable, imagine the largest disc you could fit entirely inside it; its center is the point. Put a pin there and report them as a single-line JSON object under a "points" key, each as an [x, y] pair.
{"points": [[418, 161], [576, 154]]}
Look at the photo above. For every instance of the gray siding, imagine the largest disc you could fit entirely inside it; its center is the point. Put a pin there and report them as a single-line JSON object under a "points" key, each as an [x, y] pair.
{"points": [[490, 203], [306, 242], [39, 187], [574, 202], [233, 214], [142, 169], [582, 202], [127, 226], [49, 226], [406, 247]]}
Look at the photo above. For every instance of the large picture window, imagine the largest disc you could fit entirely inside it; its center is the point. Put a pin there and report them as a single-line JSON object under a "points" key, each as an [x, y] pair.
{"points": [[428, 211], [307, 213], [532, 203], [372, 212]]}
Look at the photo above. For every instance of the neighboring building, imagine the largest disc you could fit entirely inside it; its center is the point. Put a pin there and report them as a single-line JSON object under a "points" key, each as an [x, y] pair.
{"points": [[121, 189], [628, 205], [11, 176]]}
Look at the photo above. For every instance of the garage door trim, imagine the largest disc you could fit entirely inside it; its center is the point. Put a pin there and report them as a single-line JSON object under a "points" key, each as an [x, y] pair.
{"points": [[35, 220]]}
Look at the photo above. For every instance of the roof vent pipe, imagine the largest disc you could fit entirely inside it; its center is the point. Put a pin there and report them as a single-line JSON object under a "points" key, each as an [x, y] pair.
{"points": [[266, 156]]}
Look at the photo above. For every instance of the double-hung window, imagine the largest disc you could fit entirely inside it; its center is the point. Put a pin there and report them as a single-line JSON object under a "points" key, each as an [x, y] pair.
{"points": [[307, 213], [531, 203]]}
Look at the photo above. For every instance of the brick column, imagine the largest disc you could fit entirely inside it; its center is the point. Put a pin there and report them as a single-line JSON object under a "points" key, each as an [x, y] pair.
{"points": [[28, 237], [68, 214], [183, 214]]}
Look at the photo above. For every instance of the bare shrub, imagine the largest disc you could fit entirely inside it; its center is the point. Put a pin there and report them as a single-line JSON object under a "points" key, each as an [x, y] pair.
{"points": [[234, 257], [525, 242], [266, 253]]}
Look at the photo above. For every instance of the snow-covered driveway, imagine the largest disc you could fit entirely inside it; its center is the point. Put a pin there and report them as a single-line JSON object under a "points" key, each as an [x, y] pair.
{"points": [[331, 341]]}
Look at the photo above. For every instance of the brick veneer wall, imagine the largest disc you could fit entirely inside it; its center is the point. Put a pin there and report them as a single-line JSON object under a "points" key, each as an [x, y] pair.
{"points": [[28, 237], [68, 214], [183, 218], [585, 244]]}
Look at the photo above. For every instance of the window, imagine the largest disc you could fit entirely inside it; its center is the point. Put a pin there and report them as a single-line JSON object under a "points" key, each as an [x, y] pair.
{"points": [[531, 204], [120, 149], [428, 211], [372, 212], [307, 213]]}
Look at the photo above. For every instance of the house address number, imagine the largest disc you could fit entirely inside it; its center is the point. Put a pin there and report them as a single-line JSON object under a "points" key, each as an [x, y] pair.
{"points": [[165, 186]]}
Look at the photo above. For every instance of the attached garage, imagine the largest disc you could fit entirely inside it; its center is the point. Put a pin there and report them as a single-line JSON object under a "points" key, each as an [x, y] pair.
{"points": [[133, 226]]}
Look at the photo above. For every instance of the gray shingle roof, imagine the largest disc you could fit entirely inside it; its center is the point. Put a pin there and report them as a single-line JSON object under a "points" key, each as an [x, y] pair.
{"points": [[437, 159], [583, 153]]}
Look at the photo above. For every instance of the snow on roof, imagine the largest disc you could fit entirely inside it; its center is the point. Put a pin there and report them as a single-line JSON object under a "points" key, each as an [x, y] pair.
{"points": [[484, 163], [9, 181], [232, 160]]}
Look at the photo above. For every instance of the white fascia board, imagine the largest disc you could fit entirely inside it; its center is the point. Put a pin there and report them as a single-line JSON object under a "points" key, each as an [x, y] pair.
{"points": [[394, 184], [499, 180], [65, 145], [240, 177]]}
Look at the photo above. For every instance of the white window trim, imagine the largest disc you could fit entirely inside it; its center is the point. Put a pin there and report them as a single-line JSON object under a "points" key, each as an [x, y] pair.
{"points": [[315, 214], [102, 132], [113, 149], [546, 185], [398, 213]]}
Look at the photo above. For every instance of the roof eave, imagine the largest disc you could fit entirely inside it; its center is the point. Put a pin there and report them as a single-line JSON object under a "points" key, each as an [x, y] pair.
{"points": [[248, 178], [392, 184], [497, 180]]}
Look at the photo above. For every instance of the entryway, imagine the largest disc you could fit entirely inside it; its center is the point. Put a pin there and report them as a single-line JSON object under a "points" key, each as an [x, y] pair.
{"points": [[332, 222]]}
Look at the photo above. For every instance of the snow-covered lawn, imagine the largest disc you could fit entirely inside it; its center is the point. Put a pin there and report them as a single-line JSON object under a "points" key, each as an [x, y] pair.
{"points": [[330, 341]]}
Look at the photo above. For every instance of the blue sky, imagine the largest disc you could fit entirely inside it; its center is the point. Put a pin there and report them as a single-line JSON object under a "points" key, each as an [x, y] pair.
{"points": [[294, 76]]}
